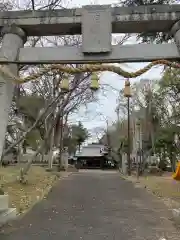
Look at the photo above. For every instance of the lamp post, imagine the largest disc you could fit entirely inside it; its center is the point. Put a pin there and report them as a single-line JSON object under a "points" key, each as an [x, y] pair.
{"points": [[127, 94], [64, 89]]}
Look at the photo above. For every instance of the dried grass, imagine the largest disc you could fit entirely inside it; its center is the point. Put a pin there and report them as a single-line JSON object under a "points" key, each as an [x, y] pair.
{"points": [[25, 196], [164, 187]]}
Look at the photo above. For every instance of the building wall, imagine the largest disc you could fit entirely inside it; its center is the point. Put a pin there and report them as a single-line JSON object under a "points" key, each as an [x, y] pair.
{"points": [[91, 150]]}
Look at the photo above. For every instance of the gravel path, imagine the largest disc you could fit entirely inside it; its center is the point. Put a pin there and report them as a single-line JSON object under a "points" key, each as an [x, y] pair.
{"points": [[94, 205]]}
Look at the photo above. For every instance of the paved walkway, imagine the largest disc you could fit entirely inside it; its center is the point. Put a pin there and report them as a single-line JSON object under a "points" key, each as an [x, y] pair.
{"points": [[94, 206]]}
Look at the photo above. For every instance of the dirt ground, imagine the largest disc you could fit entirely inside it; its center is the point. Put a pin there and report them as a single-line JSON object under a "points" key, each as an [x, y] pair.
{"points": [[21, 196], [164, 187]]}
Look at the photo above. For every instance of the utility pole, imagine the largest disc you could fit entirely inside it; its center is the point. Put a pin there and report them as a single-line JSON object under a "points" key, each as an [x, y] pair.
{"points": [[127, 93], [118, 121], [129, 140], [61, 139], [118, 130], [107, 134], [108, 138], [138, 156]]}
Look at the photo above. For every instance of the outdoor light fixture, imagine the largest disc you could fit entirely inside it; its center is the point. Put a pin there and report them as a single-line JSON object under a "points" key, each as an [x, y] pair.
{"points": [[127, 89], [94, 82], [64, 85]]}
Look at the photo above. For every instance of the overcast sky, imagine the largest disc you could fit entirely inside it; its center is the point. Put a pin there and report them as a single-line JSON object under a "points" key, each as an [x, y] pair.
{"points": [[105, 109]]}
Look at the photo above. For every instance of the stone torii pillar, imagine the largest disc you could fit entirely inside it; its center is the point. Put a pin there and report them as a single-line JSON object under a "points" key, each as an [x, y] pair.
{"points": [[13, 39], [175, 32]]}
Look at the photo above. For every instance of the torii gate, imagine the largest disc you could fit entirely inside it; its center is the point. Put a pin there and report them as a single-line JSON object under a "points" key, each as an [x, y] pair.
{"points": [[96, 24]]}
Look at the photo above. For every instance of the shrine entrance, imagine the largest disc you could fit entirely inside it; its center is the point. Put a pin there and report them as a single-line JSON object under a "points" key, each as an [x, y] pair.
{"points": [[96, 25]]}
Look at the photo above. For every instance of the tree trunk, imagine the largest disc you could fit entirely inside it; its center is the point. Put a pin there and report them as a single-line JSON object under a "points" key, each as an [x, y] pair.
{"points": [[173, 161], [50, 157], [20, 150], [24, 171]]}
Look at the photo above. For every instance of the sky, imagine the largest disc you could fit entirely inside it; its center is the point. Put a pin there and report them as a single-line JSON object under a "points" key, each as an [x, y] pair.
{"points": [[97, 113]]}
